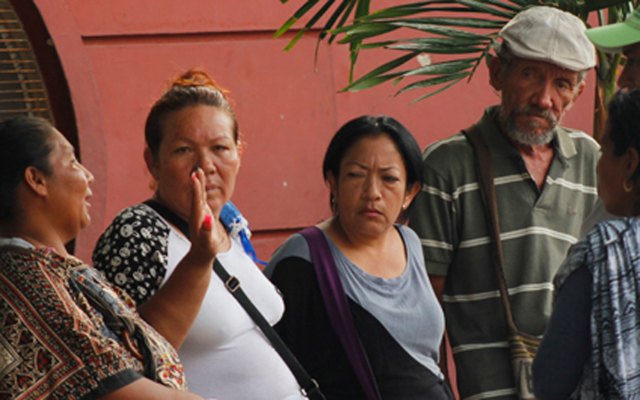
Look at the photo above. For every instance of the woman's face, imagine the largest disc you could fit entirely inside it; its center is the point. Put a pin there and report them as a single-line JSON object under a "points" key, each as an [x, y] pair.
{"points": [[371, 188], [195, 135], [612, 173], [68, 190]]}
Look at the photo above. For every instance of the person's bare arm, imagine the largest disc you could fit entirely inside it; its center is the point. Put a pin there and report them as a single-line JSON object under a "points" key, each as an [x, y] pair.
{"points": [[437, 283], [146, 389], [447, 364], [172, 310]]}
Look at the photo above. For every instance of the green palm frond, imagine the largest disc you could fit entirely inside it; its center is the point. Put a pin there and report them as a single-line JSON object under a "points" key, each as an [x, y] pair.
{"points": [[435, 28]]}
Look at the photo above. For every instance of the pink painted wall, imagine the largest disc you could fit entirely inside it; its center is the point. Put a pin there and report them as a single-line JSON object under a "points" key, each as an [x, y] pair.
{"points": [[119, 55]]}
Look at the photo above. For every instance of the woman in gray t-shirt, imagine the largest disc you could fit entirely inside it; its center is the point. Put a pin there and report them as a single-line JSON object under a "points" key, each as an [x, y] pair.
{"points": [[373, 169]]}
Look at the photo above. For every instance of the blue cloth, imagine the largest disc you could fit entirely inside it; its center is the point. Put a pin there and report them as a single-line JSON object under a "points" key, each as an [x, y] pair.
{"points": [[238, 227], [611, 252]]}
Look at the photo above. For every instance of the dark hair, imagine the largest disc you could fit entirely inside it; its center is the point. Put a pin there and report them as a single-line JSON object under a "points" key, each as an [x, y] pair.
{"points": [[623, 122], [24, 142], [368, 126], [193, 88]]}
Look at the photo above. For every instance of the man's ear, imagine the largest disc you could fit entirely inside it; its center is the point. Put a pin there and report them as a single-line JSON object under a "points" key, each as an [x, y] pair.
{"points": [[495, 73], [577, 93], [36, 181], [152, 165], [581, 87]]}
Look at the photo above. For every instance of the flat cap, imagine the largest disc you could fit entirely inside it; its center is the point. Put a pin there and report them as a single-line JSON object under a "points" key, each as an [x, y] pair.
{"points": [[549, 34]]}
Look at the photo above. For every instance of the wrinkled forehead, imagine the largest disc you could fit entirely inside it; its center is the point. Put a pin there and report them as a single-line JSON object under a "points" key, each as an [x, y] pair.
{"points": [[545, 67], [59, 142]]}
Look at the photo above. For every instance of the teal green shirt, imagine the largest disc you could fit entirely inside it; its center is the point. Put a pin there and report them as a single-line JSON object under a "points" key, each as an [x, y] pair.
{"points": [[537, 228]]}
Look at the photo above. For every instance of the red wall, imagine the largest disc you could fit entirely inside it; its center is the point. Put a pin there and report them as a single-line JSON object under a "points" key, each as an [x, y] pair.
{"points": [[119, 55]]}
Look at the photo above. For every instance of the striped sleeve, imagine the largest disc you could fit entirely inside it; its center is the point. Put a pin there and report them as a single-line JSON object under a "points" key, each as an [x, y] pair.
{"points": [[432, 218]]}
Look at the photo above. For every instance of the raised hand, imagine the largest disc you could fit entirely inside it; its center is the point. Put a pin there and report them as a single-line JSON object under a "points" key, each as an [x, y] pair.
{"points": [[208, 236]]}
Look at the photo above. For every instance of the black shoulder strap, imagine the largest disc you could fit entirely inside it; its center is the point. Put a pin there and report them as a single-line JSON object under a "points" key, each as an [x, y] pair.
{"points": [[487, 189], [337, 306], [308, 385], [169, 215]]}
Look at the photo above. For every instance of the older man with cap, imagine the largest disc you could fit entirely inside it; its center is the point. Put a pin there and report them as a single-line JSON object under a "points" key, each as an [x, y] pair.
{"points": [[545, 185]]}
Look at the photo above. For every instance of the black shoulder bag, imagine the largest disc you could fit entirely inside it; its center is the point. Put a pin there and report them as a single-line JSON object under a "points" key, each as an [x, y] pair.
{"points": [[522, 345]]}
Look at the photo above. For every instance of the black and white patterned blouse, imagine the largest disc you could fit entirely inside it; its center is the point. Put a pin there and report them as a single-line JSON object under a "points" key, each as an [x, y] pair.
{"points": [[134, 250]]}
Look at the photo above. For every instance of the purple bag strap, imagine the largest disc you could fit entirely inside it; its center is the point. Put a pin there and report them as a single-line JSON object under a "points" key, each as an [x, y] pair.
{"points": [[335, 302]]}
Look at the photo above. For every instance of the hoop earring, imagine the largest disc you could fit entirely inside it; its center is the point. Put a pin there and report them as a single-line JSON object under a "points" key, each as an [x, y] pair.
{"points": [[627, 187]]}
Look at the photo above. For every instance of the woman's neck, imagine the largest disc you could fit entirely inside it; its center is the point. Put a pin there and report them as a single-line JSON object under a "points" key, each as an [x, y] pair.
{"points": [[382, 256], [346, 240]]}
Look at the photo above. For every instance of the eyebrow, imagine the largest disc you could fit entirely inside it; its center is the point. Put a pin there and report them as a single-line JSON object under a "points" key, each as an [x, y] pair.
{"points": [[68, 148], [363, 166]]}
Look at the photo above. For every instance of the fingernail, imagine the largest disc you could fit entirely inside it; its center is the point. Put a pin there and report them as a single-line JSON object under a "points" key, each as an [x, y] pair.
{"points": [[207, 222]]}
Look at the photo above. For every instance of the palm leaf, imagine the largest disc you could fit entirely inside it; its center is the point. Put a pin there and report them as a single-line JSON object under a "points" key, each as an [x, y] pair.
{"points": [[435, 49], [443, 68], [441, 89], [434, 81], [440, 30], [309, 25], [461, 22], [296, 16], [373, 78], [341, 10], [343, 20]]}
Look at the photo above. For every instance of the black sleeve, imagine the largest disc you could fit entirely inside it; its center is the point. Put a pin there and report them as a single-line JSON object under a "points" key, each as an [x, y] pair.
{"points": [[306, 329], [566, 346], [132, 252]]}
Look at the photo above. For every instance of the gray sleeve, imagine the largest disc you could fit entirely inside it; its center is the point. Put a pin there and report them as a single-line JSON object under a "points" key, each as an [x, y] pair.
{"points": [[566, 346], [295, 246]]}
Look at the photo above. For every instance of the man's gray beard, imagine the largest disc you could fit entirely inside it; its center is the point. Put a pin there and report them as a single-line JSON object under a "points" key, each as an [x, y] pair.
{"points": [[525, 138]]}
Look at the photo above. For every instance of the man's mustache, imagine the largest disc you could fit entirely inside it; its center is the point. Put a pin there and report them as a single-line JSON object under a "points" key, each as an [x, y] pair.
{"points": [[533, 111]]}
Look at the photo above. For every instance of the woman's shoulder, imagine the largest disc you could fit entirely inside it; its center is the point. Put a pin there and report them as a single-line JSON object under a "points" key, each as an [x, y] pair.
{"points": [[133, 252], [592, 249], [621, 231], [408, 234], [295, 246], [614, 228], [411, 240], [18, 263], [138, 223]]}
